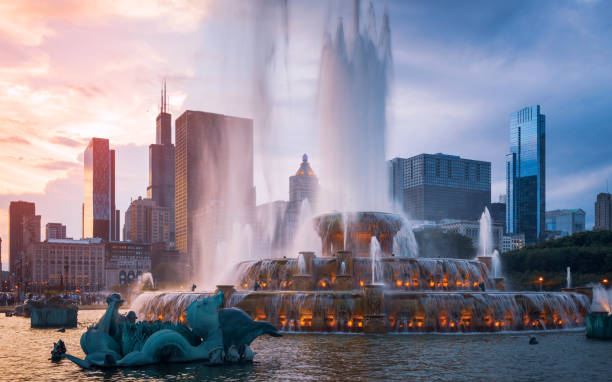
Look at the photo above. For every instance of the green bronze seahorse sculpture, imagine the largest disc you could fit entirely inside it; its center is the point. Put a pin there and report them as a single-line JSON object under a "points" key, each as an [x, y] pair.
{"points": [[213, 335]]}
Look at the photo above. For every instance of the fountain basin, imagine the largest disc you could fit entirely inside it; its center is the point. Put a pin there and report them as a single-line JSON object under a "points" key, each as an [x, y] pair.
{"points": [[394, 311]]}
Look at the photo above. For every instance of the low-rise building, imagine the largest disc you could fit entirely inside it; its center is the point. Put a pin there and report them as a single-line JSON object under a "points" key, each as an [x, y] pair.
{"points": [[72, 264], [512, 242], [126, 261], [471, 229], [168, 265], [565, 222]]}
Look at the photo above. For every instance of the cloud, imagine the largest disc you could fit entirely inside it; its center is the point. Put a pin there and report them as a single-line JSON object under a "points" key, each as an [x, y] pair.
{"points": [[15, 140], [60, 140], [58, 165]]}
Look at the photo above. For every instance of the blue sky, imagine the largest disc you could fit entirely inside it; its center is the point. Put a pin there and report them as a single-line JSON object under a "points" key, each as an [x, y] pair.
{"points": [[75, 70]]}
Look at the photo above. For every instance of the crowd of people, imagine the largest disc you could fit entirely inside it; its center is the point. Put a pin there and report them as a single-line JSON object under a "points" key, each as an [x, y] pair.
{"points": [[13, 298]]}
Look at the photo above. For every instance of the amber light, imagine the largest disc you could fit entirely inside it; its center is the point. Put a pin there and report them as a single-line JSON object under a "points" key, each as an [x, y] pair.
{"points": [[350, 324], [361, 283], [605, 281], [323, 284], [360, 324], [407, 284], [432, 283], [264, 284], [160, 317], [245, 285], [399, 283]]}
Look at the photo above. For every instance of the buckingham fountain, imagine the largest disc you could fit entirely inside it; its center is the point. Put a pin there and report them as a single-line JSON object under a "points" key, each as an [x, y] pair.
{"points": [[361, 278], [358, 284]]}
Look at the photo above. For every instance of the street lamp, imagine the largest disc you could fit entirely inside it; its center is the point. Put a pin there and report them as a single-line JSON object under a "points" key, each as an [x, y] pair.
{"points": [[605, 282], [540, 280]]}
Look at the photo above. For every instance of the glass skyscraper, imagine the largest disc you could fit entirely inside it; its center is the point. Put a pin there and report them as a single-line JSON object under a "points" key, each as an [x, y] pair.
{"points": [[440, 186], [526, 174], [100, 218]]}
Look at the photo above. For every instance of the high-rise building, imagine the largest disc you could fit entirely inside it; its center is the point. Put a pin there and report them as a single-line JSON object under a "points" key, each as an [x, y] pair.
{"points": [[498, 214], [213, 183], [526, 174], [161, 164], [146, 222], [439, 186], [100, 217], [304, 184], [567, 222], [17, 243], [55, 231], [603, 211]]}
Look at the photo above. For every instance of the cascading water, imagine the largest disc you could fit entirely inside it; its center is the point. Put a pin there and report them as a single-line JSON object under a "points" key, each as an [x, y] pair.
{"points": [[343, 268], [302, 269], [602, 299], [375, 254], [404, 242]]}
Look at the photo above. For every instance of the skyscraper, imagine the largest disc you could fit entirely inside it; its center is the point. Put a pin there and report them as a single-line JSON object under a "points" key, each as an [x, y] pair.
{"points": [[146, 222], [440, 186], [55, 231], [304, 184], [24, 229], [161, 164], [100, 217], [526, 174], [17, 211], [603, 211], [213, 184]]}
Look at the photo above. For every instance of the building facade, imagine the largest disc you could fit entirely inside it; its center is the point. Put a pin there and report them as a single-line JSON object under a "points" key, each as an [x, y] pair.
{"points": [[99, 215], [603, 211], [565, 222], [433, 187], [214, 186], [72, 264], [146, 222], [471, 229], [161, 165], [512, 242], [126, 262], [526, 174], [55, 231], [168, 265], [22, 215]]}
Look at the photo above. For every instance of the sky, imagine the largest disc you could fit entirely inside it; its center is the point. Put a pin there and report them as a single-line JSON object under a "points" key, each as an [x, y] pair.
{"points": [[71, 70]]}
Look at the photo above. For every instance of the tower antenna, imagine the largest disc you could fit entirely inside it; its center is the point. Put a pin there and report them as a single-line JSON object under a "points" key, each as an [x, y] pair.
{"points": [[165, 98]]}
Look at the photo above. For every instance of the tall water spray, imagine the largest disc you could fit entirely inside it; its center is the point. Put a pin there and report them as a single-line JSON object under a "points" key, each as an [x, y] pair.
{"points": [[568, 278], [485, 235], [375, 255], [353, 94]]}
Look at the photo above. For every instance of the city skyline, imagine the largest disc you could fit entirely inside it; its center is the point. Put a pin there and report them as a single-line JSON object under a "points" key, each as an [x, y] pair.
{"points": [[470, 120]]}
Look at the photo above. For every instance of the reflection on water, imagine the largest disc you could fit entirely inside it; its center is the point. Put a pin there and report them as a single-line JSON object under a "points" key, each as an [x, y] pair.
{"points": [[500, 357]]}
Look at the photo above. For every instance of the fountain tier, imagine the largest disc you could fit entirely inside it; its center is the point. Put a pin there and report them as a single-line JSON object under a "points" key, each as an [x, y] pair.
{"points": [[334, 292], [397, 311]]}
